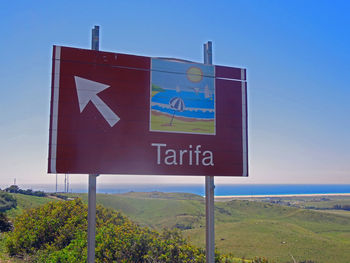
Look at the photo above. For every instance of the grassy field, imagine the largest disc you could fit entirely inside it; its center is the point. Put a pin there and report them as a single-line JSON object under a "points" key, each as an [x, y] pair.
{"points": [[246, 228], [156, 210], [160, 122], [25, 202], [279, 231]]}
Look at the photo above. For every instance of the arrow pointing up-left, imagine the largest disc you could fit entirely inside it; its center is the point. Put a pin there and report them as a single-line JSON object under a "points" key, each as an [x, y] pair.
{"points": [[87, 91]]}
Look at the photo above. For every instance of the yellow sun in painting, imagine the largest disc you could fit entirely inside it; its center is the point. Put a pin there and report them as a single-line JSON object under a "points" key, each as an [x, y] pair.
{"points": [[194, 74]]}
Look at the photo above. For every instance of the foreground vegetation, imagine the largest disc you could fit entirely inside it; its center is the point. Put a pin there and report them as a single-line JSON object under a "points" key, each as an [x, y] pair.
{"points": [[247, 228], [286, 230], [16, 190], [7, 202], [56, 232]]}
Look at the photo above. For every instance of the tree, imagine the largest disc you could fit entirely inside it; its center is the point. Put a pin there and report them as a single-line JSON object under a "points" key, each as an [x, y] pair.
{"points": [[12, 189], [5, 224], [7, 201]]}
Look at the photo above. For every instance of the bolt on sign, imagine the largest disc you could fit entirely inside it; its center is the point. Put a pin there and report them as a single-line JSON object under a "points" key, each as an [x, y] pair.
{"points": [[124, 114]]}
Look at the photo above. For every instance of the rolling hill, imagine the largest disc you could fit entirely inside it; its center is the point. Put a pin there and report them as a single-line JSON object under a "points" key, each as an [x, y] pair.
{"points": [[244, 228]]}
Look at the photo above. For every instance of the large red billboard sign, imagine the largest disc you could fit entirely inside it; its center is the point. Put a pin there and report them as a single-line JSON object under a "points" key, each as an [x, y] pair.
{"points": [[124, 114]]}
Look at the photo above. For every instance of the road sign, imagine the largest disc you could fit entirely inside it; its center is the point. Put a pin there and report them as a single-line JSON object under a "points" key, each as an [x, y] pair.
{"points": [[124, 114]]}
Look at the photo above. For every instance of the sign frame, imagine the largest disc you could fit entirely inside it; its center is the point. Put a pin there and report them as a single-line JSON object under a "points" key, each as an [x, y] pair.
{"points": [[223, 76]]}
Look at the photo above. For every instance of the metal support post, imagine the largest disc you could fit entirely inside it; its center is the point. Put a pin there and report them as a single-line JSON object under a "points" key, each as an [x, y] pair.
{"points": [[65, 183], [208, 53], [95, 39], [209, 216], [92, 180], [209, 187], [91, 218]]}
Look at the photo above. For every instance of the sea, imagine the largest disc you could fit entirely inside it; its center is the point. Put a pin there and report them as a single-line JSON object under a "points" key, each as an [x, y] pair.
{"points": [[196, 105], [199, 189]]}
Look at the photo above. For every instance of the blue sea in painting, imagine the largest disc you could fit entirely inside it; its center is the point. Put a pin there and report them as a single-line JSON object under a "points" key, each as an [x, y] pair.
{"points": [[220, 190], [196, 104]]}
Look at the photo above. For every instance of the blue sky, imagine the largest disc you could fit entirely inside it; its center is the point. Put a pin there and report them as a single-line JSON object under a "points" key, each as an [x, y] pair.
{"points": [[297, 54], [168, 80]]}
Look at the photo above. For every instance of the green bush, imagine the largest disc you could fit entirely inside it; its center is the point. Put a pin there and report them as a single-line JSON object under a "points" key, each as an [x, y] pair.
{"points": [[56, 232], [7, 201], [5, 224], [53, 225], [260, 260], [16, 190]]}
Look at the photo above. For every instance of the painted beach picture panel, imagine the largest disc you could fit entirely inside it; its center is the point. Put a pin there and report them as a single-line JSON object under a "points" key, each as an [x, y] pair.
{"points": [[182, 97]]}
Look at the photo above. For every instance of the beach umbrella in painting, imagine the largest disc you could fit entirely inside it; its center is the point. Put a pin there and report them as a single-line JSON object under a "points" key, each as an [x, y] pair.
{"points": [[177, 104]]}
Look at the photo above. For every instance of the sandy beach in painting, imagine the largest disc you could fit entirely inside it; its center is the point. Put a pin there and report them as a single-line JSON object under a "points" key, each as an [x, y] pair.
{"points": [[161, 122], [186, 119]]}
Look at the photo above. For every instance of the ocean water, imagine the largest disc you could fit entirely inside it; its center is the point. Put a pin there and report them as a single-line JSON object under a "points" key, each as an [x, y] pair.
{"points": [[238, 189], [196, 105], [220, 190]]}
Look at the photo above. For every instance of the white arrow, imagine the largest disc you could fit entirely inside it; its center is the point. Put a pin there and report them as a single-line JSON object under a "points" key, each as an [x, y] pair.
{"points": [[87, 91]]}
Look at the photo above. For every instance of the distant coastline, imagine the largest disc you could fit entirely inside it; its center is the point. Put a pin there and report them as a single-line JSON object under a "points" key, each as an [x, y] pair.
{"points": [[221, 191], [278, 196]]}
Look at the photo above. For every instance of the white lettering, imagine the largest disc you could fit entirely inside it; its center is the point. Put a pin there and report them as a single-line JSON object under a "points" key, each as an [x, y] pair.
{"points": [[158, 150], [182, 152], [171, 156], [190, 155], [197, 152], [210, 158]]}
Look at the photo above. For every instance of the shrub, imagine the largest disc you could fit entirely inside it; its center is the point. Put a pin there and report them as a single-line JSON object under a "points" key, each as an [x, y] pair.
{"points": [[56, 232], [16, 190], [5, 224], [7, 201], [52, 225]]}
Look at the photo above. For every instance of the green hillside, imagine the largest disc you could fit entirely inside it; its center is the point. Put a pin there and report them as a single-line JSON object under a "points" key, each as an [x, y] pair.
{"points": [[244, 228], [157, 210], [279, 232], [157, 88], [26, 202]]}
